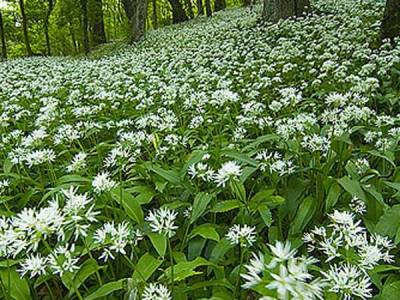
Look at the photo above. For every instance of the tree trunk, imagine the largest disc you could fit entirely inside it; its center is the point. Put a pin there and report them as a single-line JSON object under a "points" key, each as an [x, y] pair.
{"points": [[219, 5], [50, 6], [274, 10], [25, 28], [390, 27], [3, 38], [97, 20], [178, 13], [85, 25], [155, 18], [190, 8], [246, 3], [208, 8], [136, 11], [200, 8]]}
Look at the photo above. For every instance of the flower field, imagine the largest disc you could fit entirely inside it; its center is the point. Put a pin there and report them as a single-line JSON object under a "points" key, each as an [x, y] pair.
{"points": [[218, 159]]}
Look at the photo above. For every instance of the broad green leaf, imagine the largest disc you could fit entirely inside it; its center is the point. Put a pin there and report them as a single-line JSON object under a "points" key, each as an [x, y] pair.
{"points": [[389, 222], [145, 267], [107, 289], [303, 216], [19, 288], [391, 291], [241, 157], [332, 197], [353, 187], [206, 231], [170, 175], [71, 178], [187, 269], [227, 205], [238, 190], [88, 268], [129, 203], [159, 241], [143, 194], [220, 249], [200, 204], [265, 214]]}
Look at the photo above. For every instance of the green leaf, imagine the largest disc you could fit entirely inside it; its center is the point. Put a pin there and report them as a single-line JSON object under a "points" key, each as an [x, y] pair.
{"points": [[304, 214], [220, 249], [129, 203], [389, 222], [332, 197], [7, 165], [170, 175], [71, 179], [225, 206], [145, 267], [186, 269], [265, 214], [391, 291], [143, 194], [107, 289], [19, 288], [238, 189], [353, 187], [88, 268], [206, 231], [159, 242], [244, 158], [200, 204]]}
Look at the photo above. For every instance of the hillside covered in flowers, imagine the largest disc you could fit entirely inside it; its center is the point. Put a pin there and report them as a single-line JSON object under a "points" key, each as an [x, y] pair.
{"points": [[223, 158]]}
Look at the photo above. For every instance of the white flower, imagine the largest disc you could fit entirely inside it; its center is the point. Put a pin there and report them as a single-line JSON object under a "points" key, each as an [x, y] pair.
{"points": [[254, 269], [156, 291], [78, 163], [162, 220], [281, 252], [103, 183], [348, 280], [244, 235], [229, 170], [34, 264]]}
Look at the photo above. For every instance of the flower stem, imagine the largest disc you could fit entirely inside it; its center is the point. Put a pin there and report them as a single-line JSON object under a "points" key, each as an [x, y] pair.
{"points": [[172, 267]]}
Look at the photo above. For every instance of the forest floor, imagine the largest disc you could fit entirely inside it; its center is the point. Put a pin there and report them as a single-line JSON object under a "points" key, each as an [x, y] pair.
{"points": [[207, 142]]}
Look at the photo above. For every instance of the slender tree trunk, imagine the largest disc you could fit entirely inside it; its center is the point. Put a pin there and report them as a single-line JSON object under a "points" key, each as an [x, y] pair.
{"points": [[200, 8], [136, 11], [190, 8], [25, 28], [85, 25], [97, 20], [155, 18], [3, 38], [208, 8], [391, 20], [274, 10], [178, 13], [219, 5], [50, 6]]}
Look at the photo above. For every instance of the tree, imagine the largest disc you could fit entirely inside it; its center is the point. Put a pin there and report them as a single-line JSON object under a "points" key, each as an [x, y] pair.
{"points": [[274, 10], [25, 28], [189, 8], [219, 5], [97, 22], [200, 8], [50, 7], [208, 8], [391, 20], [85, 25], [178, 13], [155, 18], [3, 38], [136, 11]]}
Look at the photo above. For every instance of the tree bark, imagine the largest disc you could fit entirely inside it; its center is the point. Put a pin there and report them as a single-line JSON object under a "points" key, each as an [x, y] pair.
{"points": [[85, 25], [391, 20], [190, 8], [25, 28], [219, 5], [136, 11], [155, 18], [178, 13], [50, 6], [97, 20], [3, 38], [208, 8], [274, 10], [200, 8]]}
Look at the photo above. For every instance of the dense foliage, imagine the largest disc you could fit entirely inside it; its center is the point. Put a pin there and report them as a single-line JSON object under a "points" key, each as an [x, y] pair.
{"points": [[218, 159]]}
